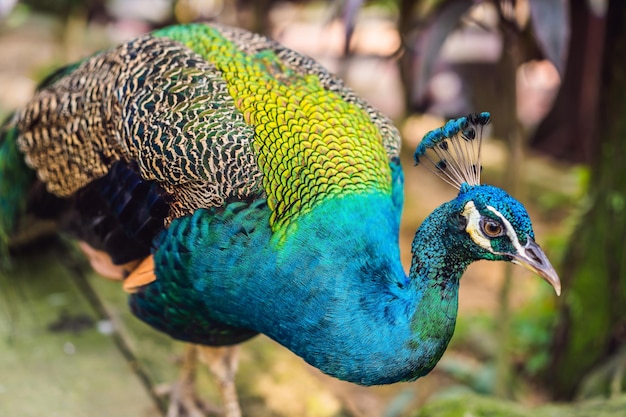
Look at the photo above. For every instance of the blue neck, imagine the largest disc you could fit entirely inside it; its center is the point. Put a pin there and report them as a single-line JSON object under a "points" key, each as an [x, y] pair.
{"points": [[385, 327], [439, 259], [332, 290]]}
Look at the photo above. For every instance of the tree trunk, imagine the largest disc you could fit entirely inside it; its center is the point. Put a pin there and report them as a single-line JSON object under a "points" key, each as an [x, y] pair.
{"points": [[567, 132], [592, 321]]}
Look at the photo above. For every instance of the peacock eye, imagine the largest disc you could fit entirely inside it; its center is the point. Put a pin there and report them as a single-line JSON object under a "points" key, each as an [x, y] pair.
{"points": [[491, 228]]}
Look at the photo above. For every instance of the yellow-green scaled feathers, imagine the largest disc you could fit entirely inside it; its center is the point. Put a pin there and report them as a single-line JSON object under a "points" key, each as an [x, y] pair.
{"points": [[309, 142]]}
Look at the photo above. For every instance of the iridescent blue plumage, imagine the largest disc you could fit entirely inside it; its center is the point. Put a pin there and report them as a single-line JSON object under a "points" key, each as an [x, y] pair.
{"points": [[336, 281], [331, 283]]}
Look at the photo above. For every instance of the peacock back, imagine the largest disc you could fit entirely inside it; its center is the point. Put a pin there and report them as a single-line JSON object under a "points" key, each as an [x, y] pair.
{"points": [[212, 115]]}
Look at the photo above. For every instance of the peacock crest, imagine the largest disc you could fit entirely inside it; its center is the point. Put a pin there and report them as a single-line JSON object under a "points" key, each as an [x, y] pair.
{"points": [[452, 152]]}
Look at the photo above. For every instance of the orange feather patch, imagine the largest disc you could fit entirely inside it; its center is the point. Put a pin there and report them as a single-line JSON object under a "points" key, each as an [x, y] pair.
{"points": [[141, 276]]}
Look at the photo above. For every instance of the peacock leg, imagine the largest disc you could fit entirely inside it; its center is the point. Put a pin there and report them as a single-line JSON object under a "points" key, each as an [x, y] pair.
{"points": [[183, 398], [223, 362]]}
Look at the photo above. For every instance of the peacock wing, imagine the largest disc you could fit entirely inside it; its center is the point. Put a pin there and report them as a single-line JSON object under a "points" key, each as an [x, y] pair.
{"points": [[150, 101]]}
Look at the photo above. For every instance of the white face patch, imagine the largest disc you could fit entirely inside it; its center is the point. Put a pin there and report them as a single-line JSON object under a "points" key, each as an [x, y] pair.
{"points": [[473, 226], [473, 216]]}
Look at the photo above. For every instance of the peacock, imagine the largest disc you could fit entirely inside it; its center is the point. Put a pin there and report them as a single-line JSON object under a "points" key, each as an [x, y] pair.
{"points": [[236, 187]]}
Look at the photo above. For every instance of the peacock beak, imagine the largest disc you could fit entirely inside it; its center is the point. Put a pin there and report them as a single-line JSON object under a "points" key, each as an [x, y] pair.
{"points": [[532, 258]]}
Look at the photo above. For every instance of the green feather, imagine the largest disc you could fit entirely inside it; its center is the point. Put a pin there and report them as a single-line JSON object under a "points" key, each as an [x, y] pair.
{"points": [[15, 180]]}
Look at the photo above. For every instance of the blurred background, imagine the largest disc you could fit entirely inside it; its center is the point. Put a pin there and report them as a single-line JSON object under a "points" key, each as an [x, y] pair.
{"points": [[553, 75]]}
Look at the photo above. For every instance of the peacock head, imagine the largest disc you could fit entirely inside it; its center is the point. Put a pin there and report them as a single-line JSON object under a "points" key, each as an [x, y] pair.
{"points": [[495, 225]]}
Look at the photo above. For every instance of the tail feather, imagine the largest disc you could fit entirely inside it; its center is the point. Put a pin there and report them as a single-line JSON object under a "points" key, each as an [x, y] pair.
{"points": [[15, 180]]}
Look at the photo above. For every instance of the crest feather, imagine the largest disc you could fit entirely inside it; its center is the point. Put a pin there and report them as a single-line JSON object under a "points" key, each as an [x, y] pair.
{"points": [[452, 152]]}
